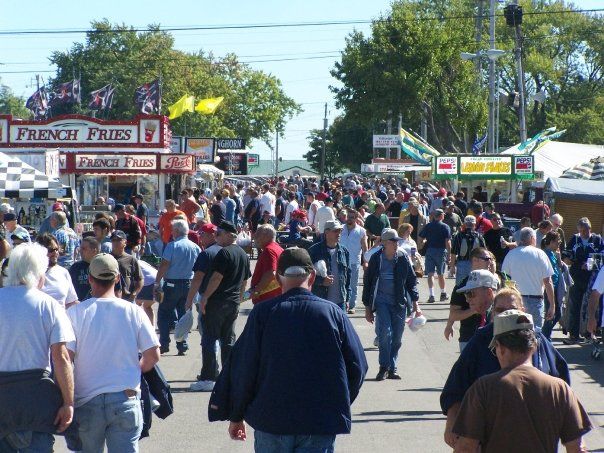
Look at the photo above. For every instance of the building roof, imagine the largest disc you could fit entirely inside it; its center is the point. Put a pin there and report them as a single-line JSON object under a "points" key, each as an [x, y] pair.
{"points": [[267, 167]]}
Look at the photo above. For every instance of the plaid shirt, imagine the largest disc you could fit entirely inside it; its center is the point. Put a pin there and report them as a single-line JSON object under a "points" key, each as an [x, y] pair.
{"points": [[68, 243]]}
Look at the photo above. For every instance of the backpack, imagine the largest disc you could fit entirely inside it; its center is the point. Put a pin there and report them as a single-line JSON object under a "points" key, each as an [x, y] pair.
{"points": [[466, 247]]}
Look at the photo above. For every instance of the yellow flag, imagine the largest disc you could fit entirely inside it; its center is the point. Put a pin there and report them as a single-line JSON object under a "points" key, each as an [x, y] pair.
{"points": [[208, 106], [184, 104]]}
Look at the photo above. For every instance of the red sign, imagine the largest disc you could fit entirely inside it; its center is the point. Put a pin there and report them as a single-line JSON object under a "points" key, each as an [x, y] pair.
{"points": [[129, 163], [78, 131]]}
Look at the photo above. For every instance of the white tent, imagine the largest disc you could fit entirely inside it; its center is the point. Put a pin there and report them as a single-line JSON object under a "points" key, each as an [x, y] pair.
{"points": [[553, 158], [19, 180]]}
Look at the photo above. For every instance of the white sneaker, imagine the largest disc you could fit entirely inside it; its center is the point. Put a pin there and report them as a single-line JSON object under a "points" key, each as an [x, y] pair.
{"points": [[202, 386]]}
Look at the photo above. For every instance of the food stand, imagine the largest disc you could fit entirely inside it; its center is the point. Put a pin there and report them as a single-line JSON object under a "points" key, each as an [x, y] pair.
{"points": [[102, 158]]}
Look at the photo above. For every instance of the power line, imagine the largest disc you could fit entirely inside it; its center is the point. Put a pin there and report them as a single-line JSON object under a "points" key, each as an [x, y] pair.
{"points": [[273, 25]]}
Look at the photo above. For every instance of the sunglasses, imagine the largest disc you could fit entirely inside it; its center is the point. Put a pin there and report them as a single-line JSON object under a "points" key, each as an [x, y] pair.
{"points": [[485, 258], [470, 294]]}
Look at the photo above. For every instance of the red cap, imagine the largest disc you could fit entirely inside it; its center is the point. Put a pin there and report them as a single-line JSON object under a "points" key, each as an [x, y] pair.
{"points": [[442, 191], [321, 196], [208, 228], [58, 206]]}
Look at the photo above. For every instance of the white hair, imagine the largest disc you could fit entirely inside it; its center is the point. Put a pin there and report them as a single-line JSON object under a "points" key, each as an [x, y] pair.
{"points": [[268, 229], [180, 227], [558, 218], [27, 265], [527, 234]]}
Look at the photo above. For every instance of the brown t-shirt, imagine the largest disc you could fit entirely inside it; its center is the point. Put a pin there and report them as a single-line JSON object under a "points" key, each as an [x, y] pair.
{"points": [[521, 409]]}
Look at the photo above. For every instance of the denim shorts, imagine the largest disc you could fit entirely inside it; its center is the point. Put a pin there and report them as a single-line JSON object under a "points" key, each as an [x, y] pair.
{"points": [[146, 293], [435, 261]]}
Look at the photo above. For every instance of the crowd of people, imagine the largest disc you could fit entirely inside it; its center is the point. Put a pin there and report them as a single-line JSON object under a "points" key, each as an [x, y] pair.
{"points": [[82, 307]]}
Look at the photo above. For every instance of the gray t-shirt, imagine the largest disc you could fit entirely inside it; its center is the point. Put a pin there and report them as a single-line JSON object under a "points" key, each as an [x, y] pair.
{"points": [[333, 292], [385, 288], [30, 322]]}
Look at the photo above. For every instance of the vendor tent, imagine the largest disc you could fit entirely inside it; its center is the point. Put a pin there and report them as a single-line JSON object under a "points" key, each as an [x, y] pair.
{"points": [[19, 180], [209, 173], [575, 189], [553, 157], [593, 170]]}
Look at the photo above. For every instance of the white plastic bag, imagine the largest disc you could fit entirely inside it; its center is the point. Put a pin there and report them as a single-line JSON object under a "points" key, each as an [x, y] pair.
{"points": [[244, 239], [321, 268], [183, 326], [417, 322]]}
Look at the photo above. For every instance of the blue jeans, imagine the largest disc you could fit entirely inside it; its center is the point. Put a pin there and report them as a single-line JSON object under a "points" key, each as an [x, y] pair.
{"points": [[39, 443], [113, 418], [462, 270], [354, 283], [275, 443], [171, 309], [534, 306], [548, 326], [390, 325]]}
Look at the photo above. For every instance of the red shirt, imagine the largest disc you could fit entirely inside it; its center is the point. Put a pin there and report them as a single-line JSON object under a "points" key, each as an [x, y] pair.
{"points": [[483, 225], [190, 209], [142, 226], [267, 261]]}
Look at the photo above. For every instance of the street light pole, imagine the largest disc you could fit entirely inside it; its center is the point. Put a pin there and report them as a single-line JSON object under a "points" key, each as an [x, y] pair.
{"points": [[491, 128], [324, 140], [513, 17]]}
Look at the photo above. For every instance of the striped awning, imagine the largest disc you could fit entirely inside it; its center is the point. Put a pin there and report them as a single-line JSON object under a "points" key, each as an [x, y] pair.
{"points": [[593, 170]]}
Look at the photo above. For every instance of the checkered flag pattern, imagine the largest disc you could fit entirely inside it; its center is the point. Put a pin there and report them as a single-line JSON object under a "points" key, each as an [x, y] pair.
{"points": [[19, 180]]}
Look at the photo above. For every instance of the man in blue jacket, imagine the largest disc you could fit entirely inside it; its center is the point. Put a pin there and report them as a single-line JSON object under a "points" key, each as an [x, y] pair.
{"points": [[476, 360], [335, 286], [389, 289], [295, 398]]}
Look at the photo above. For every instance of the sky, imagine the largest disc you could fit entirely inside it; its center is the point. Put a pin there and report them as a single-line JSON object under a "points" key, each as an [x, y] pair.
{"points": [[309, 53]]}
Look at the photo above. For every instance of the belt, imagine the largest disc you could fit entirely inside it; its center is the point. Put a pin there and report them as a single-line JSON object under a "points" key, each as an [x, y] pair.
{"points": [[177, 280], [534, 297]]}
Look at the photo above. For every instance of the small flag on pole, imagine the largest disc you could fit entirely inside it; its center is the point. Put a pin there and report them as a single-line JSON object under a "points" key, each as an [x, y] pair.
{"points": [[208, 106], [478, 144], [148, 97], [184, 104], [101, 99]]}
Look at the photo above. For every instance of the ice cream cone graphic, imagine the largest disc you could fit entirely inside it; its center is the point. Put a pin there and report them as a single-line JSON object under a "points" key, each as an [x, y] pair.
{"points": [[150, 127]]}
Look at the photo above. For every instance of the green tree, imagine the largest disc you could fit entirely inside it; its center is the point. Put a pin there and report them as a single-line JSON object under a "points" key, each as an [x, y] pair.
{"points": [[11, 104], [333, 162], [254, 103], [408, 59]]}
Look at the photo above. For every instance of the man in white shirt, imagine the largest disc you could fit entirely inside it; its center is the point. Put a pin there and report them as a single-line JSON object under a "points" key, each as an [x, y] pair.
{"points": [[353, 239], [268, 200], [532, 271], [33, 329], [110, 333], [292, 205], [313, 206], [325, 213], [13, 228]]}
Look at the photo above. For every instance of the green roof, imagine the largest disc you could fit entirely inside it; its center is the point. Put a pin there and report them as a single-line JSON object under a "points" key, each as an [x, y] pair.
{"points": [[286, 167]]}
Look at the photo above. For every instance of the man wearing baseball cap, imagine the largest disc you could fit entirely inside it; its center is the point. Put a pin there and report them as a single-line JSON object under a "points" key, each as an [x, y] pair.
{"points": [[519, 408], [131, 277], [436, 238], [462, 244], [334, 282], [312, 410], [389, 289], [110, 333], [11, 227]]}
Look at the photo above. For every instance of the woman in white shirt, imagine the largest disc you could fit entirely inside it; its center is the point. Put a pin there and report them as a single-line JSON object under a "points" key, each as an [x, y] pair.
{"points": [[407, 244], [57, 281]]}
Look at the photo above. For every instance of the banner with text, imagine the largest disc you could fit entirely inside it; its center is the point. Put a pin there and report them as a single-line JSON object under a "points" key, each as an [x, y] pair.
{"points": [[467, 167]]}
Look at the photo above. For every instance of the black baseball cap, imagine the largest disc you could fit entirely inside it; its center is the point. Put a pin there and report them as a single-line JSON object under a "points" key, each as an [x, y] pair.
{"points": [[118, 234], [294, 262], [118, 207], [228, 227]]}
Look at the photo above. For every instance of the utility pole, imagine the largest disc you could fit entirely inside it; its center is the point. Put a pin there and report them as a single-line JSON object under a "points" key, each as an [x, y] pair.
{"points": [[324, 140], [491, 130], [479, 14], [424, 124], [277, 154], [400, 131], [513, 17], [389, 131]]}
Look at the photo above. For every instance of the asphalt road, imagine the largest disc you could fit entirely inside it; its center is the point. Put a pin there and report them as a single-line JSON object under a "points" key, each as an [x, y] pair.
{"points": [[388, 416]]}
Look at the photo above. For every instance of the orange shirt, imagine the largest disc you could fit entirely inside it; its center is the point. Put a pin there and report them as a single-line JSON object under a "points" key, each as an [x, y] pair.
{"points": [[165, 224], [190, 209]]}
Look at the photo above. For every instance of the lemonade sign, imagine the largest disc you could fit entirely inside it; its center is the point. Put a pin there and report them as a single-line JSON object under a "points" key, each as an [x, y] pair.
{"points": [[486, 165]]}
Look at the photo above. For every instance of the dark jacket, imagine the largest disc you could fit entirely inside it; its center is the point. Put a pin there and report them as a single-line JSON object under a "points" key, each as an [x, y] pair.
{"points": [[578, 253], [477, 360], [319, 252], [405, 281], [29, 401], [295, 370]]}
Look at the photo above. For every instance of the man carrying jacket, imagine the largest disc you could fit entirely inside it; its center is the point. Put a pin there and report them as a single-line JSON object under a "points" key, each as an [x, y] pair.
{"points": [[389, 289], [278, 346], [335, 286]]}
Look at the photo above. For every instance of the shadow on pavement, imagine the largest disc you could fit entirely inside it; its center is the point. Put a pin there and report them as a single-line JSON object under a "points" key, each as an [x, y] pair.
{"points": [[579, 358], [417, 413], [430, 389], [412, 416]]}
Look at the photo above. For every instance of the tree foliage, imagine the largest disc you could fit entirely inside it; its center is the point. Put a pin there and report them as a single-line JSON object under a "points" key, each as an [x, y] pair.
{"points": [[333, 162], [412, 56], [10, 104], [254, 106]]}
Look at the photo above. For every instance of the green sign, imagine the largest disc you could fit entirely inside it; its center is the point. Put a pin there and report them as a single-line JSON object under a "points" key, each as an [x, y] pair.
{"points": [[253, 160], [497, 166]]}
